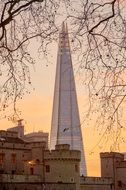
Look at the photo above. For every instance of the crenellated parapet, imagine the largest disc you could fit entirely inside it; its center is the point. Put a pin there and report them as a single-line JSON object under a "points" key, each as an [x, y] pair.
{"points": [[118, 156], [63, 152], [96, 180]]}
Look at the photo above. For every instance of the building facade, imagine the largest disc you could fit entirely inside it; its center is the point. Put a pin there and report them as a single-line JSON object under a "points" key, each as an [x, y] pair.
{"points": [[96, 183], [39, 136], [113, 165], [24, 163], [65, 126], [31, 165], [19, 128]]}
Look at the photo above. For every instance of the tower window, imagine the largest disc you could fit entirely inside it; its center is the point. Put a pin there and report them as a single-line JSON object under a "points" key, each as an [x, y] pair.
{"points": [[13, 158], [71, 179], [2, 158], [47, 168], [32, 171], [119, 183], [76, 168]]}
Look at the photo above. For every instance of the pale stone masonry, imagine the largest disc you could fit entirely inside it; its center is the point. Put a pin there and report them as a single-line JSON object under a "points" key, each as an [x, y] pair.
{"points": [[113, 165], [30, 165], [19, 128], [36, 137], [96, 183], [22, 162], [29, 137]]}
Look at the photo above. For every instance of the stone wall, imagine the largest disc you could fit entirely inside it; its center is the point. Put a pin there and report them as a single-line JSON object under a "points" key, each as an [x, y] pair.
{"points": [[113, 165], [7, 178], [63, 165], [37, 186], [96, 183], [108, 163], [95, 187]]}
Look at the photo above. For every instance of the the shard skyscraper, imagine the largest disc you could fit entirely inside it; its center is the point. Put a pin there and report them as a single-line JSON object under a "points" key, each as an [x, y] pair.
{"points": [[65, 127]]}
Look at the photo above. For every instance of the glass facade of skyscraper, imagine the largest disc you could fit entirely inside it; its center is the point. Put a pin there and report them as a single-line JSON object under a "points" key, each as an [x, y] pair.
{"points": [[65, 127]]}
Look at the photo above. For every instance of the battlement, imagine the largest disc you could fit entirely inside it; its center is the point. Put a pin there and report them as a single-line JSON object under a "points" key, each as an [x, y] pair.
{"points": [[116, 155], [19, 178], [96, 180], [42, 144], [121, 164], [14, 144], [4, 133], [62, 147], [62, 154]]}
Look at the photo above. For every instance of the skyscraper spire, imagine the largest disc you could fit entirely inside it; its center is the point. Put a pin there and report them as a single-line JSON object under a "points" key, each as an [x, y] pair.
{"points": [[65, 126], [64, 39]]}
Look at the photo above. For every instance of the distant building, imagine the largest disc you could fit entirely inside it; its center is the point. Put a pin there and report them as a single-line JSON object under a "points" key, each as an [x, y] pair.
{"points": [[65, 126], [36, 137], [19, 128], [113, 165], [39, 136], [30, 162]]}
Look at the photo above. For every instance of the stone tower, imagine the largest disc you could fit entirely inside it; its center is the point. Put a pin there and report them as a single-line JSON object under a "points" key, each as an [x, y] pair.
{"points": [[65, 126]]}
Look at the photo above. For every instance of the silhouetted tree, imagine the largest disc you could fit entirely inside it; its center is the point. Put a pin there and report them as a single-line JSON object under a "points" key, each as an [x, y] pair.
{"points": [[101, 37], [98, 36], [20, 22]]}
